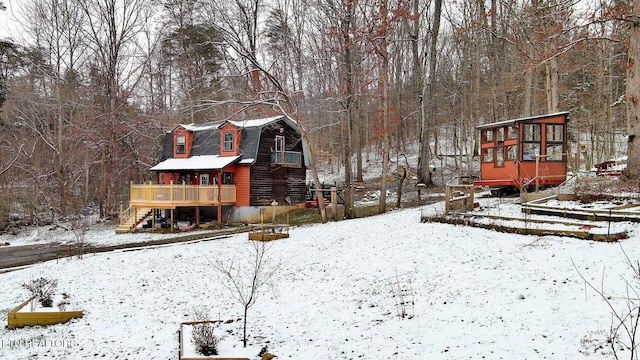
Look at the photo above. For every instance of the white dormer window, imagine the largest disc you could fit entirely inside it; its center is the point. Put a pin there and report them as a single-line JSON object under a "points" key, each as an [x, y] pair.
{"points": [[227, 142], [181, 144]]}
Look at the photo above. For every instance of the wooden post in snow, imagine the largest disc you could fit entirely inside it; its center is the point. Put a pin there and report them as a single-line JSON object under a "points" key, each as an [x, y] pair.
{"points": [[447, 196], [334, 204]]}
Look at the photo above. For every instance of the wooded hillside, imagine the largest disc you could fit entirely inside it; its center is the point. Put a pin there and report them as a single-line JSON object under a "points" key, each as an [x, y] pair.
{"points": [[88, 87]]}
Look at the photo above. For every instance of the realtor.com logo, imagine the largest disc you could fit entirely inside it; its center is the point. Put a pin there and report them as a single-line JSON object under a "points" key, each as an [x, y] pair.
{"points": [[36, 343]]}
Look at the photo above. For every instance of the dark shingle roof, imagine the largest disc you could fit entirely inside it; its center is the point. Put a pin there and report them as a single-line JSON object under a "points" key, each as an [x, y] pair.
{"points": [[206, 137]]}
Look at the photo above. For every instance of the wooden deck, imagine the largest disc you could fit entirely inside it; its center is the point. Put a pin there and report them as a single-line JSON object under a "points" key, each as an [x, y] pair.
{"points": [[161, 196]]}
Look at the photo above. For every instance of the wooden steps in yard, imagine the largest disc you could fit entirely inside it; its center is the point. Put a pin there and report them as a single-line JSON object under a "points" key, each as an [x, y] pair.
{"points": [[136, 216]]}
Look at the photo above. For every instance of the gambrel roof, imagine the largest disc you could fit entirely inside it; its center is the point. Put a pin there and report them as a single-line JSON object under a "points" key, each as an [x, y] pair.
{"points": [[205, 147]]}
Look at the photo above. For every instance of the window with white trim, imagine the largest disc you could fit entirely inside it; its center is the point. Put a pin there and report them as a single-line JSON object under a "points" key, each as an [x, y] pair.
{"points": [[181, 144], [228, 141], [204, 179], [279, 143]]}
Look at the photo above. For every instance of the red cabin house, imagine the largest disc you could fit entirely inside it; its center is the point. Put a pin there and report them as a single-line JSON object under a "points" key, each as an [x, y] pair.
{"points": [[223, 171], [524, 152]]}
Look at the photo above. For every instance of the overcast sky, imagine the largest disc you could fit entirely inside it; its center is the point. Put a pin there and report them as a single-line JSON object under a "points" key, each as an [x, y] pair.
{"points": [[8, 19]]}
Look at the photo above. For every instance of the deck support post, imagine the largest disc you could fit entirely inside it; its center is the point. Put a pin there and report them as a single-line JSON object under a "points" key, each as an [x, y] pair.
{"points": [[219, 177]]}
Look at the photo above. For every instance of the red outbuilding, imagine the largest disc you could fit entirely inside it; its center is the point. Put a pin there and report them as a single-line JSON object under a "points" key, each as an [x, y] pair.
{"points": [[526, 152]]}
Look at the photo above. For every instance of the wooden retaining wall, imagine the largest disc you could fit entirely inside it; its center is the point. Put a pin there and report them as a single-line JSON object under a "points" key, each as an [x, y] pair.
{"points": [[618, 213], [508, 229]]}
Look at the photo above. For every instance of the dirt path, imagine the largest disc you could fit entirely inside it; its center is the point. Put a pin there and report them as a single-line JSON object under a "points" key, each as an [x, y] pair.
{"points": [[12, 257]]}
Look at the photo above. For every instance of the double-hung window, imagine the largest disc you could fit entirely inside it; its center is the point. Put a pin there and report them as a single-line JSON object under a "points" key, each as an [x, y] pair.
{"points": [[228, 142], [181, 144]]}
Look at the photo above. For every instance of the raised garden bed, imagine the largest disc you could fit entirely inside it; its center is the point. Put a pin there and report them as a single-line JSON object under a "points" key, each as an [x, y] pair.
{"points": [[26, 315], [268, 232]]}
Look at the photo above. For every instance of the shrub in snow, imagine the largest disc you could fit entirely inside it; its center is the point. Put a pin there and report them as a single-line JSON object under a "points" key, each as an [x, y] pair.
{"points": [[42, 289], [202, 336], [204, 339]]}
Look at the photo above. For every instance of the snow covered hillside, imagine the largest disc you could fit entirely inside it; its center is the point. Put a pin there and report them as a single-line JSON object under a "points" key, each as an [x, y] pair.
{"points": [[475, 293]]}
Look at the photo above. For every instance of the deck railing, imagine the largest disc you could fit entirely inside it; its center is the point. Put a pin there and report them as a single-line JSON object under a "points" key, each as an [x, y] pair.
{"points": [[173, 195], [287, 158]]}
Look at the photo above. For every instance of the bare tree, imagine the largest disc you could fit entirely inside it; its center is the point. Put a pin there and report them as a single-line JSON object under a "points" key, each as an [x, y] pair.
{"points": [[625, 327], [117, 63], [238, 23], [244, 277], [6, 167], [57, 28], [342, 17], [427, 97], [632, 95]]}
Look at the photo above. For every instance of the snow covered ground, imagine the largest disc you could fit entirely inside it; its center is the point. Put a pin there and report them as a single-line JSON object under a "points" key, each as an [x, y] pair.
{"points": [[96, 234], [476, 294]]}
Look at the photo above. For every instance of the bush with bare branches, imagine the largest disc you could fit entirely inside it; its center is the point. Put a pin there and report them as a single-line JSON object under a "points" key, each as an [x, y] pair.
{"points": [[202, 335], [245, 281], [621, 340]]}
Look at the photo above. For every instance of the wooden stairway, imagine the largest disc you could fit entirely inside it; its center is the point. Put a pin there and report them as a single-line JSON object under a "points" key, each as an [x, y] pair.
{"points": [[131, 218]]}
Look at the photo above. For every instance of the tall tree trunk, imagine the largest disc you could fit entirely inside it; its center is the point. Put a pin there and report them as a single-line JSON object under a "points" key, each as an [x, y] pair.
{"points": [[384, 52], [382, 206], [60, 161], [349, 66], [428, 96], [551, 85], [528, 88], [632, 96]]}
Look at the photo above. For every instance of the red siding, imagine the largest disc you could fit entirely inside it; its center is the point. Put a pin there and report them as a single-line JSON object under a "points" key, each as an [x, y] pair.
{"points": [[243, 178], [519, 171], [168, 177]]}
